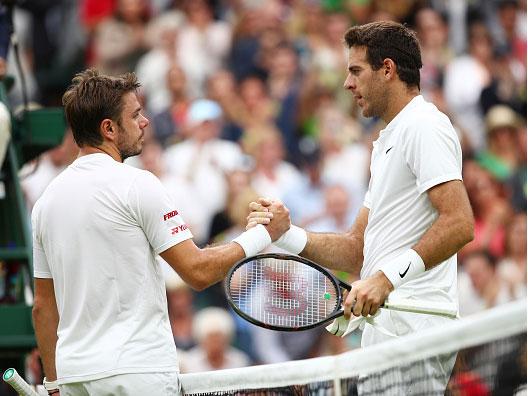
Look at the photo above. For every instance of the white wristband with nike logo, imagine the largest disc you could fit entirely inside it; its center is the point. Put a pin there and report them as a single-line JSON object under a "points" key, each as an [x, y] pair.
{"points": [[405, 267]]}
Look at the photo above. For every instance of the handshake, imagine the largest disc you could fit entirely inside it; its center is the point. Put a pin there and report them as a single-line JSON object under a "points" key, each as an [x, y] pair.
{"points": [[275, 218]]}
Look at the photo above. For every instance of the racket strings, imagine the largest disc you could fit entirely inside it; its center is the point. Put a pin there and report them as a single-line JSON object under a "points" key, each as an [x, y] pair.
{"points": [[283, 293]]}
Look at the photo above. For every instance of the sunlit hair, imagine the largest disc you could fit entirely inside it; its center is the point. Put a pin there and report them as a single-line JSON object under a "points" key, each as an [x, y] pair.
{"points": [[387, 39], [93, 97]]}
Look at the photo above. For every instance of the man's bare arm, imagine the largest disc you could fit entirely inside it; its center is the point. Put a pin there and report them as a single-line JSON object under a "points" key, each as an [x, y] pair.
{"points": [[342, 252], [201, 268], [453, 228], [335, 251], [449, 232], [46, 322]]}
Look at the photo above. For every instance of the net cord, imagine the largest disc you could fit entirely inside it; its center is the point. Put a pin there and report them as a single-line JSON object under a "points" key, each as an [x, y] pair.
{"points": [[499, 322]]}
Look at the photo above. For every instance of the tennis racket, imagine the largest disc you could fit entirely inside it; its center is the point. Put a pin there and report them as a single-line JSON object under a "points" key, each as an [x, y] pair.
{"points": [[17, 382], [290, 293]]}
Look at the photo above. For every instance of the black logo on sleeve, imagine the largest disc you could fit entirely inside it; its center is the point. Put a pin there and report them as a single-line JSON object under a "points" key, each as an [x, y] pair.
{"points": [[389, 149], [405, 272]]}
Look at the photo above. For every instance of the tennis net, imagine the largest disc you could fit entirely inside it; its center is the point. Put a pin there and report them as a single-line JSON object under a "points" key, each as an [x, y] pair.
{"points": [[490, 350]]}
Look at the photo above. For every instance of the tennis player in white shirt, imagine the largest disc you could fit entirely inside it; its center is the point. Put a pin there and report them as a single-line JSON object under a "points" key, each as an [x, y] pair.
{"points": [[100, 310], [416, 214]]}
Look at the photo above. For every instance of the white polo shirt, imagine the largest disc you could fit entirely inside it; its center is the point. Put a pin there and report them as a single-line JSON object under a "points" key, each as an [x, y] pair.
{"points": [[96, 231], [417, 150]]}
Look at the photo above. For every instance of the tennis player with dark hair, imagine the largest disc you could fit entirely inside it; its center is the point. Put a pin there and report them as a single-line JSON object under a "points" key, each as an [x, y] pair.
{"points": [[100, 308], [416, 212]]}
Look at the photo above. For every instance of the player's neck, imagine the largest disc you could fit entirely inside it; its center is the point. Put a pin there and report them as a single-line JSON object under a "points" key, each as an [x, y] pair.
{"points": [[109, 150], [398, 102]]}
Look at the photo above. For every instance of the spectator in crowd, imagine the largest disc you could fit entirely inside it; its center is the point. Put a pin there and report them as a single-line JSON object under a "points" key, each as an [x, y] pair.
{"points": [[306, 198], [507, 85], [120, 40], [479, 286], [238, 184], [40, 172], [234, 221], [432, 30], [198, 164], [57, 46], [465, 78], [168, 123], [272, 174], [307, 30], [338, 213], [517, 182], [329, 58], [283, 85], [490, 209], [181, 311], [213, 328], [512, 267], [203, 44], [222, 88], [342, 148], [243, 58], [502, 155], [509, 36], [153, 67]]}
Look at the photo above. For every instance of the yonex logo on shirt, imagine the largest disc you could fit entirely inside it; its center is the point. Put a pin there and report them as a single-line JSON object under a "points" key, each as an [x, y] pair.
{"points": [[175, 230], [167, 216]]}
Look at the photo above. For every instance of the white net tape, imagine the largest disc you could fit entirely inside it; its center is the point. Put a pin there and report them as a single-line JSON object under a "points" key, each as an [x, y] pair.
{"points": [[498, 323]]}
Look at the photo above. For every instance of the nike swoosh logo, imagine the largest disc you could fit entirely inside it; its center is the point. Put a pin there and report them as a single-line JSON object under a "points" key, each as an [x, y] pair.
{"points": [[405, 272], [389, 149]]}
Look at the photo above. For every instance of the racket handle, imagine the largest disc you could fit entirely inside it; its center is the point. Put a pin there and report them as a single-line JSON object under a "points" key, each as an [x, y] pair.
{"points": [[415, 306], [17, 383]]}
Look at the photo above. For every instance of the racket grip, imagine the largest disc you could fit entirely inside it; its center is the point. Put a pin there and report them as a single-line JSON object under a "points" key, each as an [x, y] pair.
{"points": [[17, 383], [415, 306]]}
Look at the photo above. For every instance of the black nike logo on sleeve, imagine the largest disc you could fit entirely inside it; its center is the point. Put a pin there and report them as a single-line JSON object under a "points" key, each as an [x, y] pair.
{"points": [[389, 149], [405, 272]]}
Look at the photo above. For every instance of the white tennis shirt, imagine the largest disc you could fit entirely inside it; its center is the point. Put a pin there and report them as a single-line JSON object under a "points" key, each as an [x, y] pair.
{"points": [[96, 231], [417, 150]]}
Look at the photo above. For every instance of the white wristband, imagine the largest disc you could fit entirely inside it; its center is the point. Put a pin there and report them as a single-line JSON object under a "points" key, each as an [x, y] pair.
{"points": [[254, 240], [405, 267], [50, 385], [294, 240]]}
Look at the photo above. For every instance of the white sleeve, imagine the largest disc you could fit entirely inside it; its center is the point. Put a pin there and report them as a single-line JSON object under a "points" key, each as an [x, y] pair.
{"points": [[155, 213], [433, 153], [41, 267]]}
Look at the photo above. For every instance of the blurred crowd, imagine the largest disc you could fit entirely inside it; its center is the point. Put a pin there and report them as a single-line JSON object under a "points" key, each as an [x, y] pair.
{"points": [[245, 99]]}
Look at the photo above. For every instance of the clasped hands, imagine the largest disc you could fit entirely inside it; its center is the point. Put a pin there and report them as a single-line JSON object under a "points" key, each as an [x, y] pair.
{"points": [[264, 211], [366, 296]]}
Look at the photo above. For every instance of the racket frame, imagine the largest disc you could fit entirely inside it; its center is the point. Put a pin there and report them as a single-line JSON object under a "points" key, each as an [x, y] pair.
{"points": [[338, 284]]}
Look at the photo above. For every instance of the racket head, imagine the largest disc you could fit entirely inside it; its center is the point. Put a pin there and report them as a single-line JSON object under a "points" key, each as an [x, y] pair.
{"points": [[283, 292]]}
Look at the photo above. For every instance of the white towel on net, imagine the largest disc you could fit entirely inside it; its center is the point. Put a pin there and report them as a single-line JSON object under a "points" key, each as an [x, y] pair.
{"points": [[342, 327]]}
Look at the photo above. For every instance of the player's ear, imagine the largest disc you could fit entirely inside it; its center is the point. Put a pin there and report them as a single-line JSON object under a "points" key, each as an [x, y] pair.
{"points": [[107, 129], [389, 68]]}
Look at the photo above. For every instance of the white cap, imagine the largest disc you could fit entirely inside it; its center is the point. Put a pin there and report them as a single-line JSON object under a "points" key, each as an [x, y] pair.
{"points": [[203, 110]]}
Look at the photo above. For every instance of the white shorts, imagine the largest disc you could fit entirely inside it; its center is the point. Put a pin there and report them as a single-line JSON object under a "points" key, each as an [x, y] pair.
{"points": [[162, 384], [426, 377]]}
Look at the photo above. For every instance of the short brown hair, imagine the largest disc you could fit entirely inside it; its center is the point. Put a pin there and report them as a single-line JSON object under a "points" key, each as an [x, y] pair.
{"points": [[392, 40], [91, 98]]}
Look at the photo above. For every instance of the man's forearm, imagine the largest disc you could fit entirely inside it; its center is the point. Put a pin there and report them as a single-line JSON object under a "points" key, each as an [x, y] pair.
{"points": [[453, 228], [46, 321], [446, 237], [343, 252]]}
